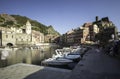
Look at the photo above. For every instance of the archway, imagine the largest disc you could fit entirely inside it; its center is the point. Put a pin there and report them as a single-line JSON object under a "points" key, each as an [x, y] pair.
{"points": [[9, 44]]}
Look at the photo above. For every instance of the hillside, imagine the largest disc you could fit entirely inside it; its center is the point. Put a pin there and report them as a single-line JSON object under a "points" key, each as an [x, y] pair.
{"points": [[18, 21], [51, 30]]}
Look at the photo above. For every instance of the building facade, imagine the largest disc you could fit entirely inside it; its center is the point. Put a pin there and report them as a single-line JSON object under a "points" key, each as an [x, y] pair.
{"points": [[82, 35], [70, 37], [37, 37], [89, 32], [92, 33], [20, 36], [78, 35]]}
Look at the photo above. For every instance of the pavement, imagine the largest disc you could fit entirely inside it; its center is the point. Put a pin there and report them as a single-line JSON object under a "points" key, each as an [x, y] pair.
{"points": [[27, 71], [96, 65]]}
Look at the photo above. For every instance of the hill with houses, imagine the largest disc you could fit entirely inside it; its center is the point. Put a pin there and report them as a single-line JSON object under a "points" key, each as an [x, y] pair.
{"points": [[8, 21]]}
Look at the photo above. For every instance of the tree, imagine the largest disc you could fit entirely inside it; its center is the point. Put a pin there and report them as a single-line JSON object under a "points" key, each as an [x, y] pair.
{"points": [[105, 35]]}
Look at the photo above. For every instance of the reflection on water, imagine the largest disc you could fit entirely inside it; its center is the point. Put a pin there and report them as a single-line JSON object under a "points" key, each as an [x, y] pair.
{"points": [[27, 55]]}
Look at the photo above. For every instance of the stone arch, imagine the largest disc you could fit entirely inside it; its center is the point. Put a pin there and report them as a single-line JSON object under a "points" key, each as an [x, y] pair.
{"points": [[9, 44]]}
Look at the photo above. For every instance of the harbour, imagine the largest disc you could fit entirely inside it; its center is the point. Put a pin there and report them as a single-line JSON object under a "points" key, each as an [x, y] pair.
{"points": [[90, 65], [51, 56], [66, 57], [25, 54], [65, 39]]}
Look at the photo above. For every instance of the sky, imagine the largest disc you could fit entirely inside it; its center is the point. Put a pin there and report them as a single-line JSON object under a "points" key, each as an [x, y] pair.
{"points": [[63, 15]]}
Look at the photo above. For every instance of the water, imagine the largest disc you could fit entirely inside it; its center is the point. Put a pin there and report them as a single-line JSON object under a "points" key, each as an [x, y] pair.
{"points": [[27, 55]]}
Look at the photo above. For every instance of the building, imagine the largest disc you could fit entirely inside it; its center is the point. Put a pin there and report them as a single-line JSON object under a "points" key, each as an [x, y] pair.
{"points": [[63, 40], [7, 36], [106, 30], [82, 35], [37, 37], [70, 37], [20, 36], [86, 34], [49, 38], [78, 35], [89, 32]]}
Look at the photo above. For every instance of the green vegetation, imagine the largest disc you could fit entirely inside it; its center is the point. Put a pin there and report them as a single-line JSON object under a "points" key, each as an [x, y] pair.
{"points": [[19, 21], [52, 31], [2, 19], [106, 33]]}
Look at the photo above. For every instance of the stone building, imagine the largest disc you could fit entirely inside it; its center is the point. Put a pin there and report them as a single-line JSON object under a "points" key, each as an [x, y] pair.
{"points": [[49, 38], [82, 35], [70, 37], [89, 32], [20, 36], [78, 35], [7, 36], [106, 30], [37, 37]]}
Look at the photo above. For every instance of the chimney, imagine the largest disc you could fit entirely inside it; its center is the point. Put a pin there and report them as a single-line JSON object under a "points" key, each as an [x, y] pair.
{"points": [[97, 18]]}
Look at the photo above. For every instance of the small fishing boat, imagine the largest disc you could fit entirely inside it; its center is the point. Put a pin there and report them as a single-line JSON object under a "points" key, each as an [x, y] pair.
{"points": [[56, 61]]}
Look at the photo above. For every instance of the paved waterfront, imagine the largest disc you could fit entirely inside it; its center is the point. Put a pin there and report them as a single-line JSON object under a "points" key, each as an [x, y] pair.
{"points": [[26, 71], [97, 65], [94, 65]]}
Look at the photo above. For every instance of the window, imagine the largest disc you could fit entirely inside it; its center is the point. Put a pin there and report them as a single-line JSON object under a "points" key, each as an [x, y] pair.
{"points": [[6, 36], [23, 31], [12, 36]]}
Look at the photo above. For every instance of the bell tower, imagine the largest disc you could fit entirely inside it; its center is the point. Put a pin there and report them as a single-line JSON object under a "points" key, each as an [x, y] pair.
{"points": [[28, 27]]}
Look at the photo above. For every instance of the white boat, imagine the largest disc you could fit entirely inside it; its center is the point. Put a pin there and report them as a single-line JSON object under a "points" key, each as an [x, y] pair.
{"points": [[58, 52], [68, 55], [56, 61], [62, 58], [74, 57]]}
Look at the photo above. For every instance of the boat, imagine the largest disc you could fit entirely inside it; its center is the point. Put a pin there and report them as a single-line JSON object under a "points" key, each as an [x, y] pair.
{"points": [[56, 61], [74, 57], [58, 52], [63, 57], [68, 55]]}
